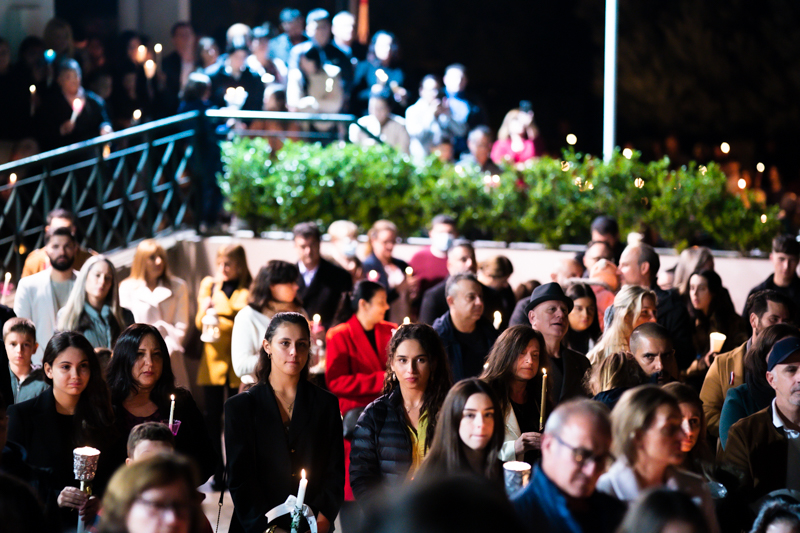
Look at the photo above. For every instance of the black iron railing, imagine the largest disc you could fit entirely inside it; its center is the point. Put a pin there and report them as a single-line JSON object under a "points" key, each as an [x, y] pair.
{"points": [[123, 187]]}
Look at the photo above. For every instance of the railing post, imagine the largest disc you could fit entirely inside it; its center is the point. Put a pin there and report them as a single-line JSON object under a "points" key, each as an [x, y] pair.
{"points": [[195, 188]]}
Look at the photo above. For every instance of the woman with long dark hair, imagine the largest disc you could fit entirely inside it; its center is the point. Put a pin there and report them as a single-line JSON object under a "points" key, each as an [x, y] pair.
{"points": [[711, 308], [755, 393], [142, 386], [281, 426], [513, 370], [356, 354], [698, 458], [273, 291], [394, 432], [75, 412], [584, 323], [469, 434]]}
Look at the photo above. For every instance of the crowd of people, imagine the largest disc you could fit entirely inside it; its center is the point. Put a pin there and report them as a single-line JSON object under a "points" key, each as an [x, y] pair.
{"points": [[640, 399], [66, 91]]}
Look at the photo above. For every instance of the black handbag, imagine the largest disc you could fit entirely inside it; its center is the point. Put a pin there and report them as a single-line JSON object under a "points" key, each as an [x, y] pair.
{"points": [[349, 421]]}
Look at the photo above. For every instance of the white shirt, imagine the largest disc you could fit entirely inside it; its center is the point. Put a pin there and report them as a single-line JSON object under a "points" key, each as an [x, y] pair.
{"points": [[308, 275], [793, 449]]}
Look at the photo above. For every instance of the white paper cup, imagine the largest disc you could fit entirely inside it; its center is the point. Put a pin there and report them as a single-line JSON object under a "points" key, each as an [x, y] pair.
{"points": [[717, 340], [517, 474]]}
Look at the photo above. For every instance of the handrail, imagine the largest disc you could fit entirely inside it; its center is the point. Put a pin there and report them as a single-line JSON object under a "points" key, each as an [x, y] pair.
{"points": [[280, 115], [103, 139]]}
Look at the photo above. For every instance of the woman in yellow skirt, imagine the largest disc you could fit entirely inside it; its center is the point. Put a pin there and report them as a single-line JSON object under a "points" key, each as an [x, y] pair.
{"points": [[226, 293]]}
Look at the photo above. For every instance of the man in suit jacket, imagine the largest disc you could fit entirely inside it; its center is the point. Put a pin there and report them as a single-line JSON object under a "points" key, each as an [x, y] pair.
{"points": [[321, 282], [548, 312], [40, 296]]}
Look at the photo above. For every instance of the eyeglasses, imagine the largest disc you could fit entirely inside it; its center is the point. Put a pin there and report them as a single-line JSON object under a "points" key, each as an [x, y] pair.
{"points": [[581, 456], [182, 510]]}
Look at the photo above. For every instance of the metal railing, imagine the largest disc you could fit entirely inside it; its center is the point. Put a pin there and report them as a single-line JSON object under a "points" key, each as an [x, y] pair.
{"points": [[123, 187]]}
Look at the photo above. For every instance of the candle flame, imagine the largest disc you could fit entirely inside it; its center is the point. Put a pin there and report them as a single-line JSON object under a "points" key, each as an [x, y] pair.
{"points": [[32, 89], [77, 105], [12, 178], [544, 372], [172, 397], [8, 277], [381, 75], [406, 320], [157, 48], [317, 318], [137, 114], [409, 271], [303, 473]]}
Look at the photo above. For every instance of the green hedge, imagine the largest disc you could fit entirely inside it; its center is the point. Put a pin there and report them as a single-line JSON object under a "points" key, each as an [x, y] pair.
{"points": [[551, 200]]}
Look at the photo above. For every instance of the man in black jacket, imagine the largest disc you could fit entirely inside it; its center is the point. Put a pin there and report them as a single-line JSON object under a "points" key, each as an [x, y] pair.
{"points": [[784, 257], [639, 265], [548, 313], [466, 335], [321, 282]]}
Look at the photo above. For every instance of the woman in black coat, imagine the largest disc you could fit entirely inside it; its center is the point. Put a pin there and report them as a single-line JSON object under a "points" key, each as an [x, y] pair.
{"points": [[142, 383], [395, 431], [279, 427], [74, 412]]}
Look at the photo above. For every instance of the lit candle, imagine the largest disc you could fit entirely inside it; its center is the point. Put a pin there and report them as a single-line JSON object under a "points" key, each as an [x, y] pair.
{"points": [[32, 89], [406, 320], [141, 54], [382, 77], [373, 275], [329, 85], [157, 50], [137, 114], [409, 271], [5, 284], [317, 319], [77, 107], [301, 493], [498, 319], [149, 69], [171, 410], [544, 396]]}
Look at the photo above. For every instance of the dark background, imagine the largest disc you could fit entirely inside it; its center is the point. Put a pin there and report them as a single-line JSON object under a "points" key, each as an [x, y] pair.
{"points": [[702, 72]]}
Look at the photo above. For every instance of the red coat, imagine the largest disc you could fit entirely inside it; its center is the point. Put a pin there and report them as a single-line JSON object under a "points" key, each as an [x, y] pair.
{"points": [[354, 372]]}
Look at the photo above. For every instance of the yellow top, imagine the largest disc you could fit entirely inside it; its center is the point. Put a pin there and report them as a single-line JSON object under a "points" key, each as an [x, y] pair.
{"points": [[417, 443]]}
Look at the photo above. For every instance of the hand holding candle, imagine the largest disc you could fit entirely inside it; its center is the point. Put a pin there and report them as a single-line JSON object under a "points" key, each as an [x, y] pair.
{"points": [[171, 410], [544, 398], [77, 107]]}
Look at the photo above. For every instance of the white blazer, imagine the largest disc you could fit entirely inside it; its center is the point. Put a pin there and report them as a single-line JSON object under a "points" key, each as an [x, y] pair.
{"points": [[36, 301], [512, 433], [166, 308]]}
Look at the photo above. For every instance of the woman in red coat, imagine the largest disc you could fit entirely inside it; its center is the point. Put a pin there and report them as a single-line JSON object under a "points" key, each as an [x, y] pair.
{"points": [[356, 354]]}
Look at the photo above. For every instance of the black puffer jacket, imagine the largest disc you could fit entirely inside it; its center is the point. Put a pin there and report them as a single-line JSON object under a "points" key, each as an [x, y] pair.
{"points": [[380, 452]]}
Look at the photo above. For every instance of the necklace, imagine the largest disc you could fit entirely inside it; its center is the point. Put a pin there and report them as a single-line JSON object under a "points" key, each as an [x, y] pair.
{"points": [[408, 409], [288, 405]]}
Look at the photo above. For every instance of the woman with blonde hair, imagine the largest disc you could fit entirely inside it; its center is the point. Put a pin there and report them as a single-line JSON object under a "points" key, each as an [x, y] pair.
{"points": [[223, 295], [154, 493], [389, 271], [633, 306], [157, 298], [514, 142], [93, 307], [647, 443]]}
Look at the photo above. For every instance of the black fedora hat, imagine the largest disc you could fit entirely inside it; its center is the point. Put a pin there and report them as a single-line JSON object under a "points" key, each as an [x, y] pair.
{"points": [[546, 293]]}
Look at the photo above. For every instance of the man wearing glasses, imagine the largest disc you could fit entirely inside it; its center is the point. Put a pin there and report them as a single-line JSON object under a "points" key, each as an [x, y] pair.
{"points": [[561, 495]]}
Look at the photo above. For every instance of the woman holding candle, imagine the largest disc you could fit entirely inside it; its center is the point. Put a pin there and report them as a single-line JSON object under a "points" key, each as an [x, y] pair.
{"points": [[711, 308], [93, 307], [75, 412], [281, 426], [647, 439], [157, 298], [226, 294], [469, 435], [379, 71], [395, 431], [143, 389], [273, 291], [512, 370], [356, 354]]}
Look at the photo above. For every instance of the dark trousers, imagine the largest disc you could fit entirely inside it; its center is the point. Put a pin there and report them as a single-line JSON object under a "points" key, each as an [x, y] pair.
{"points": [[215, 396]]}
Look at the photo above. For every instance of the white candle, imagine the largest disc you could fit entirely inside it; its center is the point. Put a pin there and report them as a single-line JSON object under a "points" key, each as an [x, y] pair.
{"points": [[544, 398], [149, 69], [5, 283], [32, 89], [141, 54], [171, 410], [498, 319], [157, 50], [317, 320], [301, 493], [77, 107]]}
